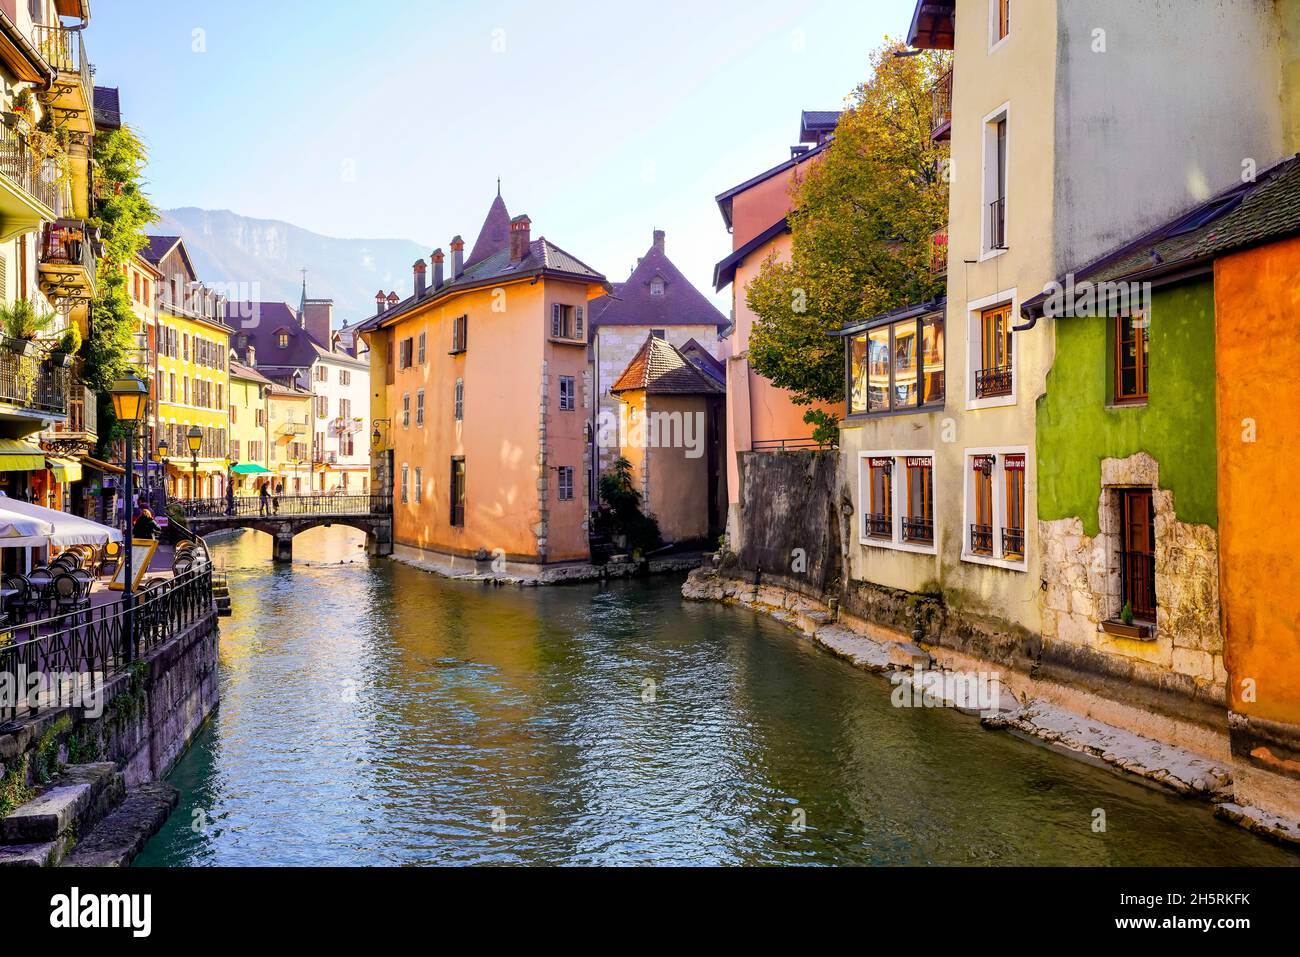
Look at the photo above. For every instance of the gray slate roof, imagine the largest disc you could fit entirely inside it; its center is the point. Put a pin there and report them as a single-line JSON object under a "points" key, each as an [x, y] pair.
{"points": [[632, 305]]}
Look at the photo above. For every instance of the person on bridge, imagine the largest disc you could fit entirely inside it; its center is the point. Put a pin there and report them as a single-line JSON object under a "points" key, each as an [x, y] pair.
{"points": [[275, 501], [230, 498], [264, 499], [145, 526]]}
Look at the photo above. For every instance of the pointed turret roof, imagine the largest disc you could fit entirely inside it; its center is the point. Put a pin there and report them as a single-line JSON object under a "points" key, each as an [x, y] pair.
{"points": [[495, 234], [656, 294]]}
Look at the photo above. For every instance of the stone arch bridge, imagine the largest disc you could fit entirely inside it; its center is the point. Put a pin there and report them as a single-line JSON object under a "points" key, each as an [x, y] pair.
{"points": [[285, 517]]}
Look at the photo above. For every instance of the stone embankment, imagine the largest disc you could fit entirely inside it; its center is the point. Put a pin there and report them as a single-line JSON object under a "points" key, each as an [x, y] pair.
{"points": [[1018, 710]]}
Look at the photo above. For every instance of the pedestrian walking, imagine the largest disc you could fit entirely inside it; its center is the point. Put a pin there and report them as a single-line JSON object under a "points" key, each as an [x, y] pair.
{"points": [[230, 498], [264, 499], [279, 490]]}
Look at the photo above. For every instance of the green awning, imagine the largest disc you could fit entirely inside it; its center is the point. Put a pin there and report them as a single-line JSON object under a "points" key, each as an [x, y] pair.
{"points": [[16, 456], [250, 468]]}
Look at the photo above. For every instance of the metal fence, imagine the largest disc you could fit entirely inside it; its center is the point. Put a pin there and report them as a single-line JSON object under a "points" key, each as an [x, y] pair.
{"points": [[33, 382], [19, 163], [81, 651], [286, 506]]}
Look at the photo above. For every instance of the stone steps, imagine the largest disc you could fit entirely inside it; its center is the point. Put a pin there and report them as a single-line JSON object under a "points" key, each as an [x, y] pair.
{"points": [[119, 837], [40, 832]]}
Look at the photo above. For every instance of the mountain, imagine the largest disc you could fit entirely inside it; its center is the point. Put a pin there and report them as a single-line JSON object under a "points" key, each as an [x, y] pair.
{"points": [[263, 258]]}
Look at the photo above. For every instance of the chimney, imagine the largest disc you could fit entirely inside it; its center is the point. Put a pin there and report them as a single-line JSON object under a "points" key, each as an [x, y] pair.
{"points": [[520, 237], [380, 301], [437, 258], [392, 300], [250, 356], [659, 241], [457, 257], [419, 267], [318, 319]]}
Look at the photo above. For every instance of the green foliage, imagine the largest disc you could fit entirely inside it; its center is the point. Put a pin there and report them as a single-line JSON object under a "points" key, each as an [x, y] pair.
{"points": [[14, 789], [827, 426], [1126, 613], [862, 221], [24, 319], [70, 341], [84, 746], [620, 513], [47, 750]]}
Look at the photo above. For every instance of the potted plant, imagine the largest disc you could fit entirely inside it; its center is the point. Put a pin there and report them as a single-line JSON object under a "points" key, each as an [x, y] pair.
{"points": [[22, 110], [1126, 627], [22, 321], [67, 346]]}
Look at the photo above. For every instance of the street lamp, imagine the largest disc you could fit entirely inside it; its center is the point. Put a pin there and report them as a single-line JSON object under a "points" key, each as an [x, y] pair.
{"points": [[130, 396], [194, 438], [161, 456]]}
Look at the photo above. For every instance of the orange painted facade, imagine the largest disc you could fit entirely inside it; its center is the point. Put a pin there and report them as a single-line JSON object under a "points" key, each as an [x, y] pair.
{"points": [[509, 374], [1257, 300]]}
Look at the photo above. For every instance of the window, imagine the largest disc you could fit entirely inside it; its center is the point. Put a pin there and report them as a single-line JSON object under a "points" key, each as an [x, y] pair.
{"points": [[918, 525], [260, 417], [1013, 531], [234, 415], [565, 483], [566, 321], [345, 408], [994, 376], [345, 376], [404, 354], [995, 184], [567, 393], [421, 348], [1001, 20], [419, 409], [458, 492], [458, 400], [282, 340], [234, 448], [459, 334], [406, 410], [322, 373], [1137, 556], [657, 286], [879, 518], [1132, 354], [419, 485], [406, 483], [322, 407], [659, 333], [981, 531], [897, 367]]}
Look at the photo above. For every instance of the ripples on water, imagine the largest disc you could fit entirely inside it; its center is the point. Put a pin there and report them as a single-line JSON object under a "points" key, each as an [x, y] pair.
{"points": [[374, 714]]}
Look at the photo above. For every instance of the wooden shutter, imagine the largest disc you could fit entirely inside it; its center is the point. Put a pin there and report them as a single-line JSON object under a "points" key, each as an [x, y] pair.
{"points": [[577, 328], [556, 320]]}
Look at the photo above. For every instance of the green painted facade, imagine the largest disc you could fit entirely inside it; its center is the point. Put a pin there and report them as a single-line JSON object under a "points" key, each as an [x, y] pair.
{"points": [[1079, 425]]}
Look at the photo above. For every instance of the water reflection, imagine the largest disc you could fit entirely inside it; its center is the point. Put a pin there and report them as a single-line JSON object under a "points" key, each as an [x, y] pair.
{"points": [[374, 714]]}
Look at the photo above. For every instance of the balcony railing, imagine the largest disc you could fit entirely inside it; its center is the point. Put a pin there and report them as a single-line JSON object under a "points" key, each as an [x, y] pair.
{"points": [[939, 253], [981, 539], [941, 104], [63, 49], [877, 525], [990, 383], [1013, 543], [19, 164], [32, 382], [789, 445], [68, 243], [291, 428], [919, 531], [998, 224]]}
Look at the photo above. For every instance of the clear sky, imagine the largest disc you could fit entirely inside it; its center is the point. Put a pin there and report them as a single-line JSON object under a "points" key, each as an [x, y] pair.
{"points": [[604, 120]]}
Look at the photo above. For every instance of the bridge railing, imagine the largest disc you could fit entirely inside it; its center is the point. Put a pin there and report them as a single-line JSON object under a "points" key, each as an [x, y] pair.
{"points": [[286, 506]]}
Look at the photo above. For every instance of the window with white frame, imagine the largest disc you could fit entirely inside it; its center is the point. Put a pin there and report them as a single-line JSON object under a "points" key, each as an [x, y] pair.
{"points": [[994, 214], [419, 409], [406, 483], [419, 484], [995, 506], [458, 403], [896, 491], [991, 347], [567, 393], [565, 483]]}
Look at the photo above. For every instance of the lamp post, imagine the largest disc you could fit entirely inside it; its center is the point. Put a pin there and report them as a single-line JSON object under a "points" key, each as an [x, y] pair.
{"points": [[130, 396], [161, 455], [194, 439]]}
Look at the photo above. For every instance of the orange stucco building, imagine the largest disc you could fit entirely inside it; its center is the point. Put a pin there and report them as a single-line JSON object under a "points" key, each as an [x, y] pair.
{"points": [[1257, 300], [760, 416], [481, 402]]}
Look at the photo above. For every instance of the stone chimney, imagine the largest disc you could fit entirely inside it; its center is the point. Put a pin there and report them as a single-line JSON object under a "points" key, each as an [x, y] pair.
{"points": [[380, 302], [392, 300], [437, 258], [520, 237], [457, 257], [420, 268], [659, 241], [250, 356]]}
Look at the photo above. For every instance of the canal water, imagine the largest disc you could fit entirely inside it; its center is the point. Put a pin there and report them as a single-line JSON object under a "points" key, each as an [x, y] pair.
{"points": [[374, 714]]}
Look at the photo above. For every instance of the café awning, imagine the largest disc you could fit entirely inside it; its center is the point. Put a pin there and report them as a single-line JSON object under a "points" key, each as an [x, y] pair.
{"points": [[250, 468], [106, 467], [65, 529], [19, 456], [65, 470]]}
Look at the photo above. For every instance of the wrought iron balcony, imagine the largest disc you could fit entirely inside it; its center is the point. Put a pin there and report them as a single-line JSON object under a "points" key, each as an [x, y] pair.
{"points": [[918, 531], [67, 260], [877, 525], [72, 94], [990, 383], [939, 253], [1013, 543], [941, 108], [998, 224], [33, 383], [981, 539], [23, 173]]}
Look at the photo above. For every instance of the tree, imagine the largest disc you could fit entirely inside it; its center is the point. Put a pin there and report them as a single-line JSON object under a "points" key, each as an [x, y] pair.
{"points": [[862, 221], [620, 512], [122, 212]]}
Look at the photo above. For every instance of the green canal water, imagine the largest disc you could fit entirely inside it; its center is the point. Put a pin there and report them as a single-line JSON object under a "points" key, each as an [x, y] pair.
{"points": [[374, 714]]}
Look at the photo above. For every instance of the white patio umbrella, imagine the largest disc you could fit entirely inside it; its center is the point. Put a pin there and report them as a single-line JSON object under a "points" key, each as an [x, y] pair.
{"points": [[63, 529], [23, 531]]}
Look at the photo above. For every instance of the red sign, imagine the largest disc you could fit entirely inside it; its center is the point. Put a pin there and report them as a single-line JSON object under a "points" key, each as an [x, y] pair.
{"points": [[882, 463], [1014, 463], [981, 462], [920, 462]]}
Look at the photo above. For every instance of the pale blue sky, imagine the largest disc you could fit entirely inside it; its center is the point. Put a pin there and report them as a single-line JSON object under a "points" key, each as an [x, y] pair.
{"points": [[603, 120]]}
